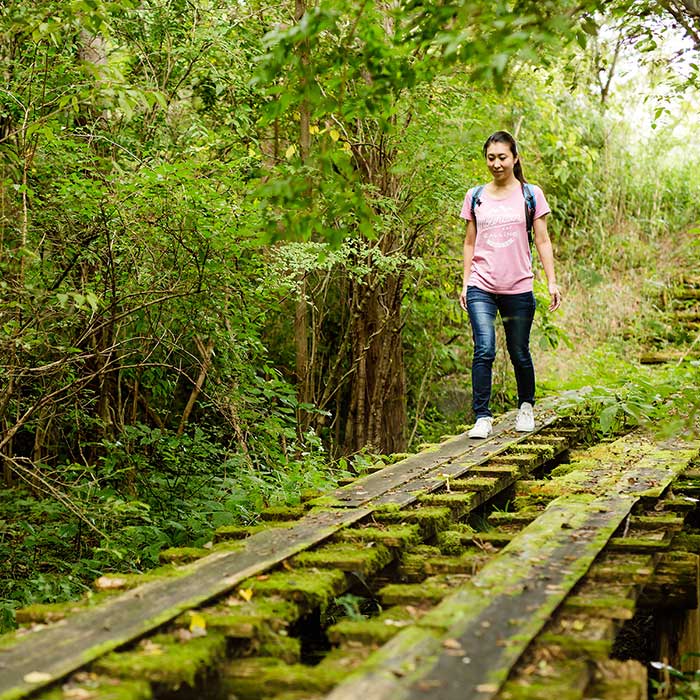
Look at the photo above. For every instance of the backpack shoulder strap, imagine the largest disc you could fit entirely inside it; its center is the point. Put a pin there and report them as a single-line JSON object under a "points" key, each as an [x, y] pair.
{"points": [[530, 206], [476, 200]]}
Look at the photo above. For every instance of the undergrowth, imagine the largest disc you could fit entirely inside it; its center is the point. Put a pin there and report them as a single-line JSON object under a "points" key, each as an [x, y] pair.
{"points": [[152, 490]]}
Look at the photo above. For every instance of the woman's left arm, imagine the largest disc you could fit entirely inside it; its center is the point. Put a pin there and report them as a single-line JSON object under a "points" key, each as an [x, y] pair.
{"points": [[544, 250]]}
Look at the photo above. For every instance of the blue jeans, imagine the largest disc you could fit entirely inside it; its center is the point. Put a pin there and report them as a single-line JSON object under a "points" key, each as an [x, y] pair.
{"points": [[517, 312]]}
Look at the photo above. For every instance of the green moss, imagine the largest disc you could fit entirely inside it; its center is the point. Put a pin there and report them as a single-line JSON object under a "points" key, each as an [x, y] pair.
{"points": [[497, 471], [661, 521], [346, 557], [395, 536], [375, 631], [182, 555], [241, 532], [310, 494], [163, 660], [308, 588], [515, 518], [427, 560], [123, 582], [459, 503], [612, 607], [637, 544], [44, 613], [387, 509], [540, 450], [563, 469], [240, 619], [543, 690], [397, 457], [283, 647], [429, 519], [516, 461], [431, 591], [686, 542], [475, 483], [427, 447], [450, 541], [412, 567], [329, 501], [275, 513], [577, 646], [100, 688], [266, 677]]}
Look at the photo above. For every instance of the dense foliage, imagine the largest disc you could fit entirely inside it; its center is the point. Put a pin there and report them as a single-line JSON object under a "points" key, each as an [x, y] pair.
{"points": [[229, 249]]}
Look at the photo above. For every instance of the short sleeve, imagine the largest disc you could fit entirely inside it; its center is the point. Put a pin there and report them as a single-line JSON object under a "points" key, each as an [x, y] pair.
{"points": [[541, 205], [466, 212]]}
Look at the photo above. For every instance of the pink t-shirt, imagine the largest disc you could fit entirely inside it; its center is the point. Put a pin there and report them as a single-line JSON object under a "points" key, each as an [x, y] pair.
{"points": [[502, 263]]}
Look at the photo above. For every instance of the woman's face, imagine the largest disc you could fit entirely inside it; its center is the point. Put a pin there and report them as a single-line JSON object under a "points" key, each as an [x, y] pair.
{"points": [[500, 161]]}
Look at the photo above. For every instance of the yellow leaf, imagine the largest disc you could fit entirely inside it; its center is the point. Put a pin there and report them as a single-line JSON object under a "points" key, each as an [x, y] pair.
{"points": [[290, 151], [335, 134], [245, 593], [346, 147], [252, 152], [197, 623], [313, 129]]}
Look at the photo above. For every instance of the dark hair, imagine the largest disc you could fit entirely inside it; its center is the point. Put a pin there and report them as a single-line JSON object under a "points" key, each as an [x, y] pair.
{"points": [[505, 137]]}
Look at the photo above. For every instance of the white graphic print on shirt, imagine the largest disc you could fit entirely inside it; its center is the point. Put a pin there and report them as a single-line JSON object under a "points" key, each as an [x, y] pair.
{"points": [[500, 225]]}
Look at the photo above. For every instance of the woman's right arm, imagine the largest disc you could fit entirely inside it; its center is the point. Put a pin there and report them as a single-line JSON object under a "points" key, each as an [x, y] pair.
{"points": [[469, 240]]}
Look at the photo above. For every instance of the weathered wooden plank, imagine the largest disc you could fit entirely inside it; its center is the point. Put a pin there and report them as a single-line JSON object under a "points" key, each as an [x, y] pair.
{"points": [[424, 471], [484, 627], [436, 477], [474, 637], [47, 654], [415, 467]]}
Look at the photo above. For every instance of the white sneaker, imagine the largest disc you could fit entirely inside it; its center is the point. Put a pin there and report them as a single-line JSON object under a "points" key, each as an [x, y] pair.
{"points": [[482, 427], [525, 422]]}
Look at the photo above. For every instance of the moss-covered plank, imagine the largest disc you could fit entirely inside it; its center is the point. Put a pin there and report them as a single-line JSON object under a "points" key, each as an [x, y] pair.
{"points": [[36, 659], [308, 588], [367, 560], [479, 452], [492, 619], [400, 536], [96, 687], [674, 583], [164, 660], [375, 631], [241, 532], [428, 592], [429, 519], [242, 616], [265, 677]]}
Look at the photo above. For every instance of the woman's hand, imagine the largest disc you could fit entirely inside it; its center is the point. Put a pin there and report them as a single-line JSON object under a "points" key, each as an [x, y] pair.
{"points": [[463, 299], [555, 296]]}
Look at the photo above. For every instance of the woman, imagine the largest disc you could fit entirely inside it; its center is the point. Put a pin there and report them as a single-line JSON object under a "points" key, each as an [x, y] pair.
{"points": [[498, 277]]}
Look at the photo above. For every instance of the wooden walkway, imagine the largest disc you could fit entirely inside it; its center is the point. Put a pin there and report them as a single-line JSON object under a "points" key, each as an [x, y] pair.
{"points": [[458, 612]]}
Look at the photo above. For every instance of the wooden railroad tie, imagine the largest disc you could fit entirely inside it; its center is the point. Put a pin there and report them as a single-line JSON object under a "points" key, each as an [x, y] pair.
{"points": [[602, 534]]}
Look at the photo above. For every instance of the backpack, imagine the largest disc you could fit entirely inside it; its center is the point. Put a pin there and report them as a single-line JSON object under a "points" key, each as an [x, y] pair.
{"points": [[530, 205]]}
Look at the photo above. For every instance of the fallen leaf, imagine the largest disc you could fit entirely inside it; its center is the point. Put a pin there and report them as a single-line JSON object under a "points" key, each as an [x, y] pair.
{"points": [[37, 677], [107, 583], [452, 644], [77, 694], [198, 625], [245, 593], [151, 648]]}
